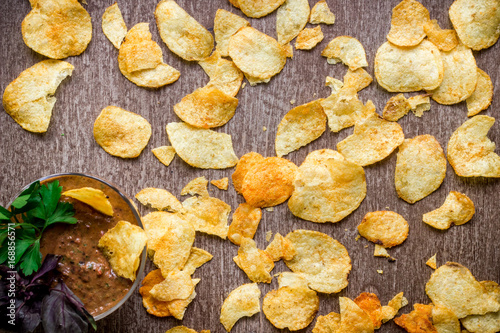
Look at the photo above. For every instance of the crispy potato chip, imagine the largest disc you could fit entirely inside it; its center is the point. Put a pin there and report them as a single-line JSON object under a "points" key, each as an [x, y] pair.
{"points": [[396, 108], [334, 84], [460, 76], [291, 18], [208, 215], [482, 96], [444, 39], [453, 286], [29, 98], [254, 262], [280, 248], [457, 209], [245, 222], [221, 184], [197, 257], [407, 23], [431, 262], [417, 321], [256, 9], [178, 307], [347, 50], [470, 152], [93, 197], [57, 28], [321, 13], [234, 3], [202, 148], [370, 303], [159, 199], [226, 24], [308, 38], [404, 69], [353, 318], [152, 305], [329, 323], [477, 23], [380, 251], [165, 154], [445, 320], [177, 285], [197, 186], [300, 126], [246, 163], [420, 168], [121, 133], [180, 329], [241, 302], [373, 140], [489, 322], [321, 260], [182, 33], [123, 245], [318, 157], [223, 73], [385, 228], [289, 279], [113, 25], [419, 104], [358, 79], [389, 311]]}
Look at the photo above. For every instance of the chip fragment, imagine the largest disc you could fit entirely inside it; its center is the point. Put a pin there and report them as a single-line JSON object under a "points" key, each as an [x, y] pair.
{"points": [[197, 186], [358, 79], [321, 13], [457, 209], [164, 154], [246, 163], [385, 228], [221, 184], [180, 329], [407, 23], [93, 197], [444, 39], [113, 25], [208, 215], [245, 223], [380, 251], [256, 9], [223, 73], [197, 257], [226, 24], [291, 19], [176, 285], [280, 248], [482, 96], [489, 322], [353, 318], [159, 199], [308, 38], [241, 302], [431, 262], [346, 49], [396, 108], [419, 104], [254, 262], [419, 320]]}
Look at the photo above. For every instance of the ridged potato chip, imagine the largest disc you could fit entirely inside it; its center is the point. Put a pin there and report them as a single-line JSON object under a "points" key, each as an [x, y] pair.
{"points": [[256, 9], [321, 13], [122, 245], [280, 248], [353, 318], [29, 98], [176, 285], [444, 39], [113, 25], [245, 223], [208, 215], [457, 209], [489, 322], [470, 152], [164, 154], [482, 96], [308, 38], [291, 19], [93, 197], [223, 73], [419, 320], [419, 104], [226, 24], [241, 302], [246, 163], [197, 186], [404, 69], [254, 262], [57, 29], [385, 228], [159, 199], [396, 108], [329, 323], [202, 148], [431, 262], [444, 320], [346, 49], [182, 34], [221, 184], [197, 257], [477, 22], [407, 23], [373, 140], [358, 79]]}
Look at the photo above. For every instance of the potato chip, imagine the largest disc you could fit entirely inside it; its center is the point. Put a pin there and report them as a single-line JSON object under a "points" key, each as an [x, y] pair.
{"points": [[256, 54], [245, 223], [444, 39], [431, 262], [152, 305], [202, 148], [329, 323], [291, 18], [419, 320], [178, 307], [223, 73], [246, 163], [226, 24], [477, 23], [321, 13], [113, 25], [420, 168], [280, 248], [29, 98], [177, 285], [396, 107], [419, 104], [122, 245], [353, 318], [121, 133], [334, 84], [489, 322], [241, 302], [380, 251], [370, 304], [256, 9], [234, 3], [318, 157], [300, 126], [457, 209], [197, 257], [197, 186], [482, 96], [470, 152], [93, 197], [321, 260], [182, 34], [444, 320], [221, 184], [373, 140], [385, 228], [254, 262], [164, 154], [404, 69], [460, 76], [389, 311], [308, 38], [180, 329], [57, 29], [453, 286], [159, 199], [407, 23], [358, 79], [347, 50], [208, 215]]}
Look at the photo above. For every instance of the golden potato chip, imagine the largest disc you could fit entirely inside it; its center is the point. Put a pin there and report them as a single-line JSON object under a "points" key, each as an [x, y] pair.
{"points": [[444, 320], [404, 69], [290, 279], [197, 186], [29, 98], [177, 285], [396, 108], [291, 18], [407, 23], [246, 163], [460, 76], [113, 25], [470, 152], [197, 257], [308, 38], [420, 168], [453, 286], [178, 307], [417, 321], [419, 104], [318, 157], [245, 222], [353, 318], [334, 84], [234, 3], [165, 154], [321, 260], [347, 50], [373, 140], [208, 215], [121, 133], [254, 262], [223, 73], [280, 248], [300, 126], [321, 13], [482, 96], [181, 329], [477, 23], [159, 199], [370, 303], [57, 28], [269, 182], [385, 228], [380, 251], [241, 302], [226, 24], [489, 322], [182, 34], [329, 323], [202, 148], [389, 311], [457, 209], [444, 39], [358, 79], [152, 305], [431, 262], [93, 197], [221, 184], [256, 9], [122, 245]]}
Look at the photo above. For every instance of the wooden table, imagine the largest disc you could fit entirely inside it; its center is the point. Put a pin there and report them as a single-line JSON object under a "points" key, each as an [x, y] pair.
{"points": [[68, 146]]}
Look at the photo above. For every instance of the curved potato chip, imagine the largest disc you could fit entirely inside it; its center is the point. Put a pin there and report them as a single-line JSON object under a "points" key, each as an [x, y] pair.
{"points": [[152, 305], [407, 23], [223, 73], [208, 215], [291, 18], [202, 148], [221, 184], [470, 152], [246, 163], [57, 28], [197, 257], [254, 262], [489, 322], [176, 285], [444, 39], [419, 320], [477, 22], [259, 8], [197, 186], [93, 197], [300, 126], [358, 79], [321, 13], [482, 96], [396, 108], [165, 154], [241, 302], [445, 320], [347, 50], [177, 307], [226, 24], [320, 259], [420, 168], [404, 69], [353, 318], [113, 25], [329, 323], [309, 38], [280, 248], [245, 222], [159, 199], [182, 34], [457, 209], [385, 228], [419, 104]]}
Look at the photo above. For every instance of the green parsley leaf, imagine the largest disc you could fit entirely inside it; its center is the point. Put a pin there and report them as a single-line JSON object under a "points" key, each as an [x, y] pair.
{"points": [[63, 214], [50, 194], [32, 259], [5, 215], [21, 246]]}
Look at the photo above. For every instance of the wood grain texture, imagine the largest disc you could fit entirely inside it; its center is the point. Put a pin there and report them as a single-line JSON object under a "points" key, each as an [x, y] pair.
{"points": [[97, 83]]}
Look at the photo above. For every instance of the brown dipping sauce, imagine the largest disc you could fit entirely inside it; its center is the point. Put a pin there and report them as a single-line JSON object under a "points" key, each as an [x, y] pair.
{"points": [[84, 268]]}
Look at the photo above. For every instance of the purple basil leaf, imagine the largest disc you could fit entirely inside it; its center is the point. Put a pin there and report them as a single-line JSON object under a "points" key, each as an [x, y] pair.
{"points": [[29, 315], [48, 266], [78, 305]]}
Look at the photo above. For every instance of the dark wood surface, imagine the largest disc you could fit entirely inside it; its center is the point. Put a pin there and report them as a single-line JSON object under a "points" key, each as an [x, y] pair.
{"points": [[68, 146]]}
